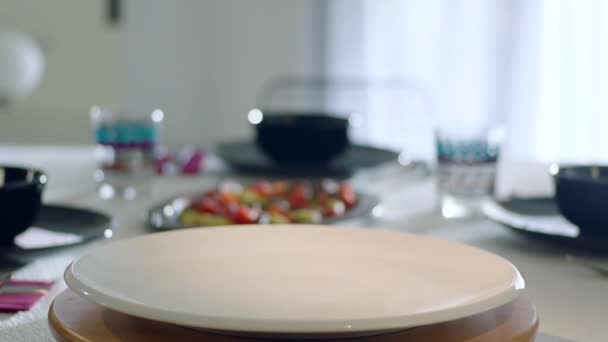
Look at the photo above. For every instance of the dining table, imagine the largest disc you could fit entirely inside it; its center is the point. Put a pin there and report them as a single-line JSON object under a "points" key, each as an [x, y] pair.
{"points": [[571, 299]]}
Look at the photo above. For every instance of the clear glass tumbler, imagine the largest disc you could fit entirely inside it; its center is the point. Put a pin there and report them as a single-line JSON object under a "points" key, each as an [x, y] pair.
{"points": [[126, 151], [466, 170]]}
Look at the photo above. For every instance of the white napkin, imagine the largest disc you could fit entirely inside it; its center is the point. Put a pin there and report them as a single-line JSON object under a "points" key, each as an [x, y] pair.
{"points": [[35, 237], [550, 224], [32, 325]]}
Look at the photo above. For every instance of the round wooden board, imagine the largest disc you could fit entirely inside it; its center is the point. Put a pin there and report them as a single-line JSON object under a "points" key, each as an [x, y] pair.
{"points": [[73, 318]]}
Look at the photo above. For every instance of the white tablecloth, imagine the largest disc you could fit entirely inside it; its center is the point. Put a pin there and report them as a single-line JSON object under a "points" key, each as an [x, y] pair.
{"points": [[572, 301]]}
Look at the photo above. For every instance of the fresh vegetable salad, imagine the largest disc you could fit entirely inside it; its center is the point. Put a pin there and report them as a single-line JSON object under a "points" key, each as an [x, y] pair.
{"points": [[271, 203]]}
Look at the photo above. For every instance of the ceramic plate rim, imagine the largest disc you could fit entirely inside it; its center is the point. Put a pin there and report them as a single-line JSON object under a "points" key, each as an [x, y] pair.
{"points": [[266, 326]]}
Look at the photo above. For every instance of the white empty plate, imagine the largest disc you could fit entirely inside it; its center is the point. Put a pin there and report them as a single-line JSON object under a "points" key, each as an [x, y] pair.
{"points": [[294, 279]]}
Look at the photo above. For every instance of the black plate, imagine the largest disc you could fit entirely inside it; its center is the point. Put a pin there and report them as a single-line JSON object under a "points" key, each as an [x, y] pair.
{"points": [[246, 156], [539, 218], [85, 223], [165, 216]]}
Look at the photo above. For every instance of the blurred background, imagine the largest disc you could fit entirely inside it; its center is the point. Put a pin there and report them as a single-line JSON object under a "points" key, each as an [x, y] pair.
{"points": [[538, 67]]}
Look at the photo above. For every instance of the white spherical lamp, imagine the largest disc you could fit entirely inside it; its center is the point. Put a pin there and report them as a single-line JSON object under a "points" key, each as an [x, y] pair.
{"points": [[21, 66]]}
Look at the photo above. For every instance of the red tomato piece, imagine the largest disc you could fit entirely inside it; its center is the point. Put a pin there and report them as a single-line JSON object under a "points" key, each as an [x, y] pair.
{"points": [[296, 202], [299, 197], [347, 195], [323, 199], [245, 215], [263, 188], [207, 205]]}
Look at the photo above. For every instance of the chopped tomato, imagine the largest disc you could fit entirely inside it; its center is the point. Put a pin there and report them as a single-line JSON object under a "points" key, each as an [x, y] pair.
{"points": [[263, 188], [323, 199], [246, 215], [347, 195], [207, 205], [299, 197]]}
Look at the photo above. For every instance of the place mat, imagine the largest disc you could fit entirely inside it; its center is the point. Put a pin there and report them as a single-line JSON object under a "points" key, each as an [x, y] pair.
{"points": [[31, 325], [20, 295]]}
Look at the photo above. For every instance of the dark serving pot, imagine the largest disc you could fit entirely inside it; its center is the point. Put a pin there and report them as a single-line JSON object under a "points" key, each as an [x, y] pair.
{"points": [[20, 200], [581, 193], [301, 137]]}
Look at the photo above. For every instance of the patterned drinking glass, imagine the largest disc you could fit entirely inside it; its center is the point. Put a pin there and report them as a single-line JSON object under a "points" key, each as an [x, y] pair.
{"points": [[126, 151], [466, 170]]}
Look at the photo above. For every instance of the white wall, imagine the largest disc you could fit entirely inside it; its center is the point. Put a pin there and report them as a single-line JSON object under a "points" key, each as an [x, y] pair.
{"points": [[204, 62], [84, 65]]}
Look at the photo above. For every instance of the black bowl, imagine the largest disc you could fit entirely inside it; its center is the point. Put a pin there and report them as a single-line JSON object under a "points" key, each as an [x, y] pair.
{"points": [[20, 200], [301, 138], [581, 193]]}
